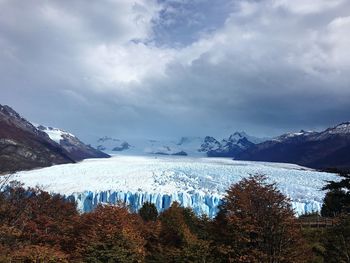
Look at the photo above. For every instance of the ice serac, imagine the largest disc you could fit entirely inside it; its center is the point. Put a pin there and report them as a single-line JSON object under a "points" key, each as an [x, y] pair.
{"points": [[306, 207], [199, 202], [202, 204]]}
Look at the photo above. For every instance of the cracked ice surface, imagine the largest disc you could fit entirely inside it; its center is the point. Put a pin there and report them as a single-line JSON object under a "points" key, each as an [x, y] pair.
{"points": [[199, 183]]}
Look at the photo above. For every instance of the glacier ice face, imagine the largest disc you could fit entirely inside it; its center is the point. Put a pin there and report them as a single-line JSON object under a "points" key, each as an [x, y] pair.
{"points": [[199, 183], [201, 204]]}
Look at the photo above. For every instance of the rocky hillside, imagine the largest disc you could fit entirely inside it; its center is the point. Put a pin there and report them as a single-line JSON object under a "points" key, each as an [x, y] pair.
{"points": [[22, 146]]}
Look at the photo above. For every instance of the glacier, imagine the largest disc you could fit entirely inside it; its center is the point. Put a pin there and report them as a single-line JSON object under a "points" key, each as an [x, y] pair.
{"points": [[200, 204], [198, 183]]}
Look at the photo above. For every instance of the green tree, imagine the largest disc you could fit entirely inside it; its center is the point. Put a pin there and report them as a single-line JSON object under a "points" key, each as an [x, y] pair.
{"points": [[337, 241], [148, 212], [337, 199]]}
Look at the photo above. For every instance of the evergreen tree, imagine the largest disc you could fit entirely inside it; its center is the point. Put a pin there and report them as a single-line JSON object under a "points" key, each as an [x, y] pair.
{"points": [[148, 212], [337, 199], [337, 241]]}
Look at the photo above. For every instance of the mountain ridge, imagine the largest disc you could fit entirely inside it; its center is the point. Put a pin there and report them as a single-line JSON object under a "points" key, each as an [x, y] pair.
{"points": [[329, 148]]}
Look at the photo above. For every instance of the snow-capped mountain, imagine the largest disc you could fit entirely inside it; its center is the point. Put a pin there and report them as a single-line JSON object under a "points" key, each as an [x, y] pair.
{"points": [[75, 147], [326, 149], [293, 135], [192, 146], [235, 144], [340, 130], [209, 144]]}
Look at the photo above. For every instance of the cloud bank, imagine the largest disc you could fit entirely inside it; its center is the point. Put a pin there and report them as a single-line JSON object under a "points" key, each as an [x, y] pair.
{"points": [[149, 68]]}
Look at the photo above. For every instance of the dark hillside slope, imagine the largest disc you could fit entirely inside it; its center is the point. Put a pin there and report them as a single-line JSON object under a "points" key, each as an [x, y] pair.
{"points": [[326, 149], [22, 146]]}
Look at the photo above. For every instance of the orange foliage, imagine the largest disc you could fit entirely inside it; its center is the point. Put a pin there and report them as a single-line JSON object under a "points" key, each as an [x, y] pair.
{"points": [[111, 234], [256, 224]]}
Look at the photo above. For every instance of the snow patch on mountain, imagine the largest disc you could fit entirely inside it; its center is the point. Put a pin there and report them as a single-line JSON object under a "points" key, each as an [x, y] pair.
{"points": [[340, 129], [69, 142], [55, 134], [343, 128], [292, 135]]}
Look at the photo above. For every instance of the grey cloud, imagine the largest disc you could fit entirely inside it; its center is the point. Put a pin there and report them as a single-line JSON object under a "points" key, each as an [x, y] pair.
{"points": [[263, 69]]}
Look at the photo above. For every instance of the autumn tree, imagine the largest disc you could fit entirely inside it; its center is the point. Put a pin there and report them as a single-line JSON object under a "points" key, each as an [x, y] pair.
{"points": [[256, 223], [39, 253], [31, 217], [110, 234], [180, 243]]}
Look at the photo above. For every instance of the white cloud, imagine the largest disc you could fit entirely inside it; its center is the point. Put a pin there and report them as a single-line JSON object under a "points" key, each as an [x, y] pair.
{"points": [[307, 6], [337, 38], [122, 64]]}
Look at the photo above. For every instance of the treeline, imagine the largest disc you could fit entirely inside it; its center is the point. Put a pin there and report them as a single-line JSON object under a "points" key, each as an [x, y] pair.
{"points": [[255, 223]]}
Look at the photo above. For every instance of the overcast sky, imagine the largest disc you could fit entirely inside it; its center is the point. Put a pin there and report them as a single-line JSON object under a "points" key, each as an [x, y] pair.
{"points": [[161, 69]]}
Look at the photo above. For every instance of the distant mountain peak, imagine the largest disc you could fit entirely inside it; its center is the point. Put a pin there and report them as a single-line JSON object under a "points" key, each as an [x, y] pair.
{"points": [[9, 111], [124, 146], [209, 144], [236, 136], [240, 134], [343, 127]]}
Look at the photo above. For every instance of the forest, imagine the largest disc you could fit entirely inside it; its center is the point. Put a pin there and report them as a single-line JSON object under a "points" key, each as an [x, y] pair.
{"points": [[255, 223]]}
